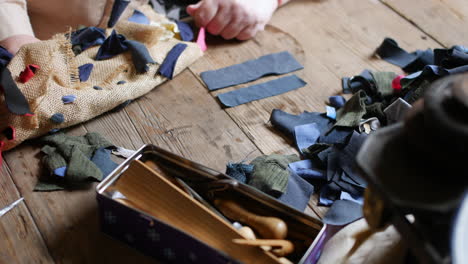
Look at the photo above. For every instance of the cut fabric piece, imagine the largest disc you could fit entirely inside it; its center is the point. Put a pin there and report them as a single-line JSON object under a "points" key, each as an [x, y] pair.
{"points": [[272, 64], [68, 99], [60, 171], [97, 87], [349, 197], [239, 171], [337, 101], [139, 17], [167, 67], [396, 84], [331, 112], [5, 57], [85, 71], [343, 212], [201, 39], [117, 9], [396, 111], [328, 194], [28, 73], [14, 98], [121, 82], [308, 170], [297, 193], [140, 55], [260, 91], [112, 46], [347, 157], [337, 135], [102, 159], [57, 118], [351, 113], [286, 122], [451, 58], [306, 135], [271, 173], [383, 83], [87, 37], [186, 32], [75, 153]]}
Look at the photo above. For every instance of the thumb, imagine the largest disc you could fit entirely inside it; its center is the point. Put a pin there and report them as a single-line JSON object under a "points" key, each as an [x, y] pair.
{"points": [[191, 9]]}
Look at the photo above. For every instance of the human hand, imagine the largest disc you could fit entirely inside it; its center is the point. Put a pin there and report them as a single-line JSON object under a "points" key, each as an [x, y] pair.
{"points": [[14, 43], [240, 19]]}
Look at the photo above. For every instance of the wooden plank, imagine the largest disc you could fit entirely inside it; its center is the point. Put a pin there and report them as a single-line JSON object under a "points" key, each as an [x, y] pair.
{"points": [[331, 38], [21, 241], [446, 21], [68, 220]]}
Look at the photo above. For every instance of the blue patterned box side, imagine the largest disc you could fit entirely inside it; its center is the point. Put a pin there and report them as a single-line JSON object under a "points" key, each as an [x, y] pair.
{"points": [[153, 237]]}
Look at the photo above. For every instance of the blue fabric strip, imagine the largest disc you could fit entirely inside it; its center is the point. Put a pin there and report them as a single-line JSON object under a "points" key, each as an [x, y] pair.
{"points": [[5, 57], [85, 71], [88, 37], [272, 64], [112, 46], [117, 9], [307, 170], [140, 55], [167, 67], [260, 91], [139, 17], [186, 32], [306, 135], [14, 98], [337, 101]]}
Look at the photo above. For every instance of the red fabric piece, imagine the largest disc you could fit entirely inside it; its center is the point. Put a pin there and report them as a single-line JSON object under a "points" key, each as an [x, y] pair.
{"points": [[28, 73], [396, 84], [201, 39]]}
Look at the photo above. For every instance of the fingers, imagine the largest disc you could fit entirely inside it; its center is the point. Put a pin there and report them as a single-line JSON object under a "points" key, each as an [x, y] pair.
{"points": [[240, 19], [250, 32], [221, 20], [203, 12]]}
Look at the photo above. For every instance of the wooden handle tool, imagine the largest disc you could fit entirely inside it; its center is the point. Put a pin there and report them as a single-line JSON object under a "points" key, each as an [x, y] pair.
{"points": [[280, 247], [267, 227]]}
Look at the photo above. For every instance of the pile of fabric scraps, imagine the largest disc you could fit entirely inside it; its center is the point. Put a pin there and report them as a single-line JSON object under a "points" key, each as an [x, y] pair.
{"points": [[330, 141], [271, 64], [73, 161]]}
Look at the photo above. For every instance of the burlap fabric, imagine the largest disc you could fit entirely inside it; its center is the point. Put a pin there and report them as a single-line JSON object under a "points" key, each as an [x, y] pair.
{"points": [[58, 76]]}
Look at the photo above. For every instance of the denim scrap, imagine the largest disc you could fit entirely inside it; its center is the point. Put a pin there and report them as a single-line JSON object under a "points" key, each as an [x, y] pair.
{"points": [[85, 71], [117, 9], [306, 135], [139, 17], [337, 101], [272, 64], [260, 91], [167, 67], [68, 99], [140, 55], [343, 212], [102, 159], [112, 46], [186, 32], [286, 122], [5, 57], [87, 37], [14, 98], [308, 170], [239, 171]]}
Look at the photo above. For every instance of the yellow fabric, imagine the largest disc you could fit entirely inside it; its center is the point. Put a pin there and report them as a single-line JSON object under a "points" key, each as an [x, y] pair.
{"points": [[58, 76]]}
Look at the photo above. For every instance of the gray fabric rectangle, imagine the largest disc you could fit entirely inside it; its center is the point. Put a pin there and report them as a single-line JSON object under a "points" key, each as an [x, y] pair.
{"points": [[260, 91], [272, 64]]}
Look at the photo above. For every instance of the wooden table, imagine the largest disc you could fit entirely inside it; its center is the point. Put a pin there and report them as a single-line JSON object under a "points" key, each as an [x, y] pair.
{"points": [[332, 38]]}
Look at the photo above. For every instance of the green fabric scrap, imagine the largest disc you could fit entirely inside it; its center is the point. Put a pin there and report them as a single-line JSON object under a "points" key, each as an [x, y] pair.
{"points": [[383, 82], [351, 113], [314, 149], [75, 153], [271, 173], [376, 110]]}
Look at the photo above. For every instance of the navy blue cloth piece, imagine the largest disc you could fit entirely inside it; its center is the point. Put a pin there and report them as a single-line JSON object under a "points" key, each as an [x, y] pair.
{"points": [[409, 62], [60, 171], [286, 122], [121, 82], [117, 9], [239, 171], [14, 98], [451, 58], [431, 73], [308, 170], [260, 91], [121, 106], [363, 81], [272, 64], [349, 197], [97, 87], [85, 71], [323, 155], [328, 194], [345, 85], [140, 55], [337, 135], [102, 159], [306, 135], [88, 37], [167, 67], [5, 57], [68, 99], [348, 154], [57, 118], [333, 164], [350, 188], [343, 212], [298, 192], [112, 46], [186, 32], [139, 17], [337, 101]]}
